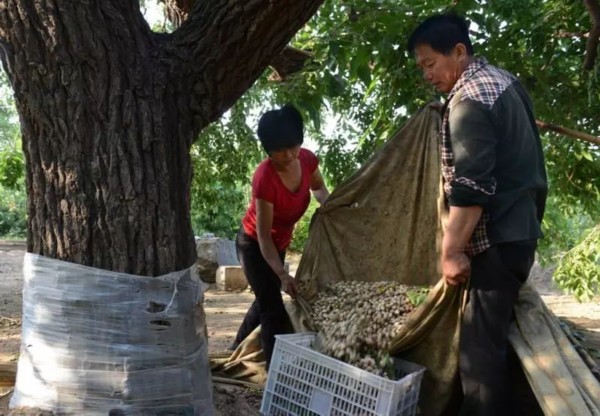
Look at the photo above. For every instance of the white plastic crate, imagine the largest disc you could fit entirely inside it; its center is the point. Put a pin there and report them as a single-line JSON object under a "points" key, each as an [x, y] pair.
{"points": [[303, 382]]}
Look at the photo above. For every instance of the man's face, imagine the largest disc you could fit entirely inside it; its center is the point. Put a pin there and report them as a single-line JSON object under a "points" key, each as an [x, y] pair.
{"points": [[441, 71]]}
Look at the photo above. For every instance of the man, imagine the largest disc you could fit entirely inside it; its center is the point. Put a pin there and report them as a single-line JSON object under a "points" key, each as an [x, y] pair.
{"points": [[495, 186]]}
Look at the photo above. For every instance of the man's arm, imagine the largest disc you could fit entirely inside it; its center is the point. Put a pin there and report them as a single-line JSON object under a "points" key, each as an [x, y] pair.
{"points": [[456, 266], [473, 138]]}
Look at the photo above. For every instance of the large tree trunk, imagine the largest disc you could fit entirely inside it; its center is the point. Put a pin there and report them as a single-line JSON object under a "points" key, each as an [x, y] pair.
{"points": [[109, 110], [104, 137]]}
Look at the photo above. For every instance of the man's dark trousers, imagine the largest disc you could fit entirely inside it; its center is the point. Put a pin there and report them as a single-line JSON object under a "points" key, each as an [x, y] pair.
{"points": [[496, 277]]}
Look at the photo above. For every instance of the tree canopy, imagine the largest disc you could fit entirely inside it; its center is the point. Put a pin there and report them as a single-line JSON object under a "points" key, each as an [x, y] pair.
{"points": [[361, 83]]}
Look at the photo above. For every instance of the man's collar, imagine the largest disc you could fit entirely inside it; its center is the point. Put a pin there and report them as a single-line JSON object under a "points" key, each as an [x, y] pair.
{"points": [[471, 69]]}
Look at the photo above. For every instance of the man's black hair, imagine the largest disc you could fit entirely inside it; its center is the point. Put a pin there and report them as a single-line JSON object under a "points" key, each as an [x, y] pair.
{"points": [[281, 129], [442, 32]]}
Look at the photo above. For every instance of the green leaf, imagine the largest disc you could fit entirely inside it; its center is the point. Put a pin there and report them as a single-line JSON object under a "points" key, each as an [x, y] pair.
{"points": [[587, 155]]}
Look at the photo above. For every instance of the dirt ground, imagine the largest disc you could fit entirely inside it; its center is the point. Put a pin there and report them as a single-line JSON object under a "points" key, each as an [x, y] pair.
{"points": [[225, 311]]}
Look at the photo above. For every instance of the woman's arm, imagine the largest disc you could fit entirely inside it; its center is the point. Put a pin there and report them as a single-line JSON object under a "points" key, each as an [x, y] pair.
{"points": [[264, 223], [318, 187]]}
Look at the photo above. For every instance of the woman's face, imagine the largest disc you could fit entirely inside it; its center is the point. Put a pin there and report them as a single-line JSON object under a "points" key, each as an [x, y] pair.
{"points": [[285, 157]]}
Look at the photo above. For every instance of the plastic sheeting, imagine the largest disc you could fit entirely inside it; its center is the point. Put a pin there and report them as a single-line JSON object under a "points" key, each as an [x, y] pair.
{"points": [[96, 342]]}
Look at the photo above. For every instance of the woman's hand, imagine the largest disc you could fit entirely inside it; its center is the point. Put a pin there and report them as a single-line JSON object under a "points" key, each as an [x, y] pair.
{"points": [[289, 284]]}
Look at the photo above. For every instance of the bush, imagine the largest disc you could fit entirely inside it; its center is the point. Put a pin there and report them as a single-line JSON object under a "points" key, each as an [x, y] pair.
{"points": [[564, 227], [578, 271], [13, 213], [218, 209], [12, 168]]}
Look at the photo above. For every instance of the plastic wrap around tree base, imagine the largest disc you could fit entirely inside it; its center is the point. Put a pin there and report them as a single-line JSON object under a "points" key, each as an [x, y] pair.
{"points": [[96, 342]]}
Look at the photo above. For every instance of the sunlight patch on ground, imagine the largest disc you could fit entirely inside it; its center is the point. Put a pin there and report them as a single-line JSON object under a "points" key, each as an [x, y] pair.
{"points": [[219, 310]]}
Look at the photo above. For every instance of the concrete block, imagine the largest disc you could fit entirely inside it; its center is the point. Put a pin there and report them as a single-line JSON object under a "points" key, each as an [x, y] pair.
{"points": [[230, 278], [212, 253]]}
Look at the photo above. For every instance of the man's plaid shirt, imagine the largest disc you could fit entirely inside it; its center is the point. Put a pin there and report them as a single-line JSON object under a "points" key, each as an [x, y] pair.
{"points": [[483, 83]]}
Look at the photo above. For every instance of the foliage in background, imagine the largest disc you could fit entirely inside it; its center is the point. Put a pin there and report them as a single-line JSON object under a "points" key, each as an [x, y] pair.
{"points": [[224, 158], [579, 269], [562, 232], [9, 121], [303, 227], [12, 168], [13, 217], [13, 199]]}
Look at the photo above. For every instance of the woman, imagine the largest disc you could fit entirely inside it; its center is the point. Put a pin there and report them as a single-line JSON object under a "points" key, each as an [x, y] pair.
{"points": [[281, 188]]}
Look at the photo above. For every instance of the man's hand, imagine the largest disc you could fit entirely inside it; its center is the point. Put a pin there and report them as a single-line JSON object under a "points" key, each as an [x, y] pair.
{"points": [[456, 268], [289, 285]]}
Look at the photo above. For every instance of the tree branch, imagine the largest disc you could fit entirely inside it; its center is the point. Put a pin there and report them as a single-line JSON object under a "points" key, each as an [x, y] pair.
{"points": [[225, 46], [565, 34], [288, 62], [591, 48], [568, 132]]}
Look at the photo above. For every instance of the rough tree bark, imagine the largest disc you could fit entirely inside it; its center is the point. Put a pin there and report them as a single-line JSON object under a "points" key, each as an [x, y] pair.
{"points": [[289, 61], [109, 109]]}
